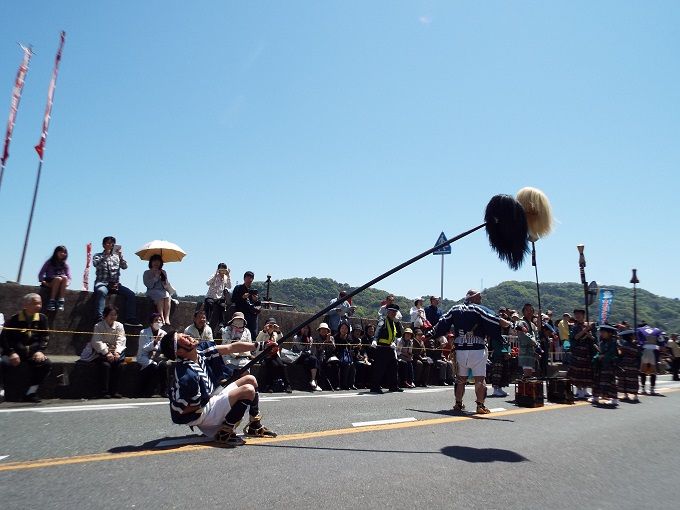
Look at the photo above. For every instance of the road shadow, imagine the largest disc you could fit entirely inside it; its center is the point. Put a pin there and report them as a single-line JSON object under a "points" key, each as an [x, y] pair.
{"points": [[464, 453], [450, 412], [469, 454], [352, 450], [187, 440]]}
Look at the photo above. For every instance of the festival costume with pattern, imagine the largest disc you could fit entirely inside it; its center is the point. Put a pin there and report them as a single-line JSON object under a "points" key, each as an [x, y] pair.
{"points": [[528, 343], [472, 323], [629, 364], [605, 365], [650, 340], [194, 385], [582, 351], [500, 368]]}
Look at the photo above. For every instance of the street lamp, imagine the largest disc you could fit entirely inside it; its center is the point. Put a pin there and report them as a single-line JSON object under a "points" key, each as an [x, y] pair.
{"points": [[269, 281], [634, 280]]}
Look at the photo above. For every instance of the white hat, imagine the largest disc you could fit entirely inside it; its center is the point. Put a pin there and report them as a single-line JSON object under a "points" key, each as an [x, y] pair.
{"points": [[323, 325]]}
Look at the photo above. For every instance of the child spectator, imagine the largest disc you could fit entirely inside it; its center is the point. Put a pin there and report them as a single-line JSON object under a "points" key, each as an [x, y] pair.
{"points": [[56, 276]]}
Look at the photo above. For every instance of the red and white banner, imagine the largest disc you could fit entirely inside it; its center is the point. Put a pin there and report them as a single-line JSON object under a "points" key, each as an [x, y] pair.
{"points": [[86, 274], [40, 148], [16, 98]]}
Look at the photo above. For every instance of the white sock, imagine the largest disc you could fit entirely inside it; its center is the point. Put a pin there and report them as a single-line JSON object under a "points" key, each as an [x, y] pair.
{"points": [[32, 389]]}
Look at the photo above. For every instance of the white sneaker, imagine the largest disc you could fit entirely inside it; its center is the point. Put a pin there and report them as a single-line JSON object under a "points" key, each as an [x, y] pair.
{"points": [[498, 392]]}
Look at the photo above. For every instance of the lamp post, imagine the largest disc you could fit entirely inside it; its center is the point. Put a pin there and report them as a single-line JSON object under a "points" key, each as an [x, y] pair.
{"points": [[269, 281], [634, 280]]}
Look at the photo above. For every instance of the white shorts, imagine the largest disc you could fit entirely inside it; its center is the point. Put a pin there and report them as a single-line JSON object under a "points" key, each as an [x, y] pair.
{"points": [[474, 360], [212, 417]]}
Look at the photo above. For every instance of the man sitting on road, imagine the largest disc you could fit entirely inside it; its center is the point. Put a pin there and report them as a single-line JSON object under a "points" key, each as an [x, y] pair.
{"points": [[193, 399]]}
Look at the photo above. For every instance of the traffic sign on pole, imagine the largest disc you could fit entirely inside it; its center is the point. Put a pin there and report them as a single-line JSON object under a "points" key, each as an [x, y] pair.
{"points": [[446, 250]]}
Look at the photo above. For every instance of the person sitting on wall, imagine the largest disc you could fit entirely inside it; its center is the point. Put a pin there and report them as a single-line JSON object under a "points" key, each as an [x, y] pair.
{"points": [[107, 266], [56, 276], [158, 288]]}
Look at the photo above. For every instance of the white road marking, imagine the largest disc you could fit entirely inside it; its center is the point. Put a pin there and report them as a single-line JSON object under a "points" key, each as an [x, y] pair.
{"points": [[3, 457], [497, 409], [382, 422], [182, 441], [344, 395], [84, 407], [429, 390]]}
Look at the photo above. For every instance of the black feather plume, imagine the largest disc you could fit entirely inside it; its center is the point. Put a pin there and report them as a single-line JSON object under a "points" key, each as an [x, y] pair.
{"points": [[506, 226]]}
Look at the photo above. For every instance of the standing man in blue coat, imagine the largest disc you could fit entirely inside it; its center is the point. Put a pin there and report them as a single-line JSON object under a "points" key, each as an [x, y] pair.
{"points": [[472, 323]]}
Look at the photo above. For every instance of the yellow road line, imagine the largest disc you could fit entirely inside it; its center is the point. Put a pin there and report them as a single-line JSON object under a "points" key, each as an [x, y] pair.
{"points": [[99, 457]]}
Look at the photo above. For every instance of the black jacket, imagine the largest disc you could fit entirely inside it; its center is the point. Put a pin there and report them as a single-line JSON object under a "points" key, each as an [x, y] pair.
{"points": [[24, 340]]}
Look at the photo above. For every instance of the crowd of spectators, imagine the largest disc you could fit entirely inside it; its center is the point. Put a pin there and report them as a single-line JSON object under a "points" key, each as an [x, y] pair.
{"points": [[339, 355]]}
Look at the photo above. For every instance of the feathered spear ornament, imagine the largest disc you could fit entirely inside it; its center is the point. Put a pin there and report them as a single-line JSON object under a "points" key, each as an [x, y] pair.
{"points": [[508, 231], [540, 222]]}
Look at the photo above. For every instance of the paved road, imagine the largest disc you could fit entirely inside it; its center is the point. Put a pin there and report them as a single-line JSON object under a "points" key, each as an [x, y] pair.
{"points": [[128, 454]]}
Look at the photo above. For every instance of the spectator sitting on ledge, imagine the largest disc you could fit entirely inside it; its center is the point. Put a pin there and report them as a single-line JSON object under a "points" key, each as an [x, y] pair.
{"points": [[107, 349], [24, 339], [153, 373], [56, 276], [200, 329], [107, 266]]}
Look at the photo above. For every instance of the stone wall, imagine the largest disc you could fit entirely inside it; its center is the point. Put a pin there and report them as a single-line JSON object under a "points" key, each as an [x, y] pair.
{"points": [[72, 327]]}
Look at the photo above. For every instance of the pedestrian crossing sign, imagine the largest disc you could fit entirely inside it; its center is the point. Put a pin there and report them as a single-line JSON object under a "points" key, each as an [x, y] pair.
{"points": [[446, 250]]}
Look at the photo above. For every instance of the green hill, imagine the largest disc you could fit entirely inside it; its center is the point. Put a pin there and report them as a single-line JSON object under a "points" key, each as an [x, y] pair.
{"points": [[313, 294]]}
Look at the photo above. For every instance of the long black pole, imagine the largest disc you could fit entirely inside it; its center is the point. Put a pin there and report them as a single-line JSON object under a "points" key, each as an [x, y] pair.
{"points": [[533, 263], [546, 354], [2, 172], [356, 291], [30, 221]]}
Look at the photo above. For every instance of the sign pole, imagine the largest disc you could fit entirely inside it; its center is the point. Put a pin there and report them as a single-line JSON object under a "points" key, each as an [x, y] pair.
{"points": [[441, 294], [446, 250]]}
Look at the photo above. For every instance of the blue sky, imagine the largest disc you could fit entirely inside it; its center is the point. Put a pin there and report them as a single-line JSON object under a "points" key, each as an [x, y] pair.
{"points": [[338, 139]]}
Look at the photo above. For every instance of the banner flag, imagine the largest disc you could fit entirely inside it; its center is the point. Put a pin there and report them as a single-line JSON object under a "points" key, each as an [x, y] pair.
{"points": [[86, 274], [40, 148], [16, 98], [606, 299]]}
